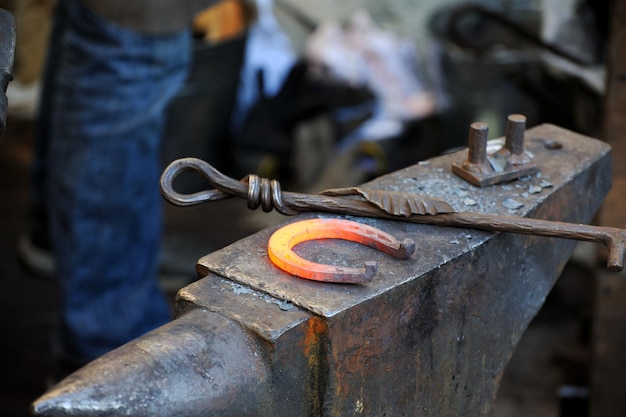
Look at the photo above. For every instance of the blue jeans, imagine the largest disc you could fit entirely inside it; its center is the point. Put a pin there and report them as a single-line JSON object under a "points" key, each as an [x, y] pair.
{"points": [[97, 171]]}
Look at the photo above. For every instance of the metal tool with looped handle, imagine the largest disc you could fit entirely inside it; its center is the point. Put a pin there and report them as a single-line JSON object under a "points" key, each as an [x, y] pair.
{"points": [[380, 204]]}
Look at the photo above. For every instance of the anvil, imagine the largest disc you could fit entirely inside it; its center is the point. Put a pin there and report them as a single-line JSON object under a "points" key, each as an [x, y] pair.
{"points": [[430, 335]]}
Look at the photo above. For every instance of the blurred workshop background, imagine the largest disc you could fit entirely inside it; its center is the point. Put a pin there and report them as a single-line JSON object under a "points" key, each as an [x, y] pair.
{"points": [[330, 94]]}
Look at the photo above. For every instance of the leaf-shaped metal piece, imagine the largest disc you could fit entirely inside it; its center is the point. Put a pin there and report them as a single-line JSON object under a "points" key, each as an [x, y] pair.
{"points": [[395, 203]]}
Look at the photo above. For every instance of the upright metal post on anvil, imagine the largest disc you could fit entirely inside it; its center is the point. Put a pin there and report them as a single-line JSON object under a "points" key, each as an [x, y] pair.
{"points": [[428, 335]]}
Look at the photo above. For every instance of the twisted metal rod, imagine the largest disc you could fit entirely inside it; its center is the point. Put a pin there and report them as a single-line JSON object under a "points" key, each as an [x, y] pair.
{"points": [[374, 203]]}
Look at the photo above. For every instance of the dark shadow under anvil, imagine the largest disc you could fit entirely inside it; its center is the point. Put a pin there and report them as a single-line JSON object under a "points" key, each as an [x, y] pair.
{"points": [[430, 335]]}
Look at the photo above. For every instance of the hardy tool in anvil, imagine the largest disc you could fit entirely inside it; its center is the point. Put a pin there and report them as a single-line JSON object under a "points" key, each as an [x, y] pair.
{"points": [[429, 335]]}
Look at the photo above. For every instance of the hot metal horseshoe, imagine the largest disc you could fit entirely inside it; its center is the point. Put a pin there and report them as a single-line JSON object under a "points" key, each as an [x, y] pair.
{"points": [[284, 239]]}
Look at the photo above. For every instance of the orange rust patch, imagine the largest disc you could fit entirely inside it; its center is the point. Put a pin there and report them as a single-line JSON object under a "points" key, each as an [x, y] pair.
{"points": [[315, 329]]}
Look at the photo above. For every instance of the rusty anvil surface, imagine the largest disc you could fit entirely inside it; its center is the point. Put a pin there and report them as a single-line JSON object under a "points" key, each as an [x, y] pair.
{"points": [[430, 335]]}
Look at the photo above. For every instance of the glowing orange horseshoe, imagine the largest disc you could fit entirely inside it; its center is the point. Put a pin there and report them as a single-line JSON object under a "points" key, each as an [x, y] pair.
{"points": [[284, 239]]}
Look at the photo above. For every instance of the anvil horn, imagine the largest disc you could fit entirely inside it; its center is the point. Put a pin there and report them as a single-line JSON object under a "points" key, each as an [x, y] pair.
{"points": [[200, 364]]}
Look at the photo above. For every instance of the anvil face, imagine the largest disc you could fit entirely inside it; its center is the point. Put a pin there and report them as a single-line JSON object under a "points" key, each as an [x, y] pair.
{"points": [[430, 335]]}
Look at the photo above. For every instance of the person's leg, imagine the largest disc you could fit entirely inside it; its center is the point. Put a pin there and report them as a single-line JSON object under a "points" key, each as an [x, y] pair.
{"points": [[106, 117]]}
